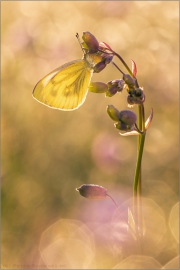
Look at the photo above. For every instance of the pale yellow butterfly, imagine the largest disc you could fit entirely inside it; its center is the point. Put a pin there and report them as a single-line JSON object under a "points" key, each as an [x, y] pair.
{"points": [[66, 87]]}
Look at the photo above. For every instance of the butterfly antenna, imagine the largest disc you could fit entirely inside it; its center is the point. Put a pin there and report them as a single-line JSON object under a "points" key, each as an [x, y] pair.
{"points": [[77, 36]]}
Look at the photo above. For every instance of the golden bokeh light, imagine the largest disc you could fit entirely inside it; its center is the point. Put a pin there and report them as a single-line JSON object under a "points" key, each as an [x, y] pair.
{"points": [[47, 154]]}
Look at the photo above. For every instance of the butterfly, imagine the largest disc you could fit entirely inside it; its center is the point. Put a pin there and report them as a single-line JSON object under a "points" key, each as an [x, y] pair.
{"points": [[66, 87]]}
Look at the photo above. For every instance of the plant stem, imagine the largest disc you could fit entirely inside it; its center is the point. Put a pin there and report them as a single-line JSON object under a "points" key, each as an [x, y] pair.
{"points": [[118, 68], [121, 213], [124, 63], [126, 66], [138, 165], [137, 207], [137, 177]]}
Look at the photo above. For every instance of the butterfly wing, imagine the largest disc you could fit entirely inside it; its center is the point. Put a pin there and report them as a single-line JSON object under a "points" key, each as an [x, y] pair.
{"points": [[66, 87]]}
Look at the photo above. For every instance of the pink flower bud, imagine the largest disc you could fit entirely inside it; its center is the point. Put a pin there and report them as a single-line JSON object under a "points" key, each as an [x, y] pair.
{"points": [[127, 117], [111, 91], [91, 42], [107, 58], [92, 192], [114, 87], [104, 46], [99, 67]]}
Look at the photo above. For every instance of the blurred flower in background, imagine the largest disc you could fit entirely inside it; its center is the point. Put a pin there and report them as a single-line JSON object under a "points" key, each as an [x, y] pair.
{"points": [[46, 153]]}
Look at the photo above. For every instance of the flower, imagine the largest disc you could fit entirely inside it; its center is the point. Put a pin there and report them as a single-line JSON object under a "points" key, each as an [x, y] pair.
{"points": [[114, 87], [125, 120], [90, 42], [136, 96], [113, 112], [97, 87], [92, 192]]}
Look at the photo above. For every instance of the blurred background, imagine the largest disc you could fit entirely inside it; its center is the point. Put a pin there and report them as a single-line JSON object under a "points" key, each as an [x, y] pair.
{"points": [[47, 154]]}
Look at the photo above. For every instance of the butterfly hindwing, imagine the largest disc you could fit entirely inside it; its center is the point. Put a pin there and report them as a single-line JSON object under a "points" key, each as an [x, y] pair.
{"points": [[66, 87]]}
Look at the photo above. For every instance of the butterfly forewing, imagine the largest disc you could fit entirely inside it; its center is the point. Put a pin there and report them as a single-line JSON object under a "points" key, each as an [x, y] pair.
{"points": [[66, 87]]}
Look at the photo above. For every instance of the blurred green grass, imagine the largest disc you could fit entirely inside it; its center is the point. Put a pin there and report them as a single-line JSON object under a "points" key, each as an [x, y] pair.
{"points": [[47, 153]]}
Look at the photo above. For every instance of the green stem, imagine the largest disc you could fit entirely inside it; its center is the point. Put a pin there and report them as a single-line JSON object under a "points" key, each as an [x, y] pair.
{"points": [[126, 66], [124, 63], [138, 198], [121, 213], [138, 165], [137, 207], [137, 177], [141, 123]]}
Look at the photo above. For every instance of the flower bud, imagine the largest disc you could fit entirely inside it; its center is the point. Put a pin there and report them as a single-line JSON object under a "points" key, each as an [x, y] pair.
{"points": [[107, 58], [137, 100], [114, 87], [138, 92], [104, 46], [113, 112], [91, 42], [121, 126], [127, 117], [92, 192], [136, 96], [99, 67], [130, 100], [111, 91], [130, 81], [98, 87], [118, 83]]}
